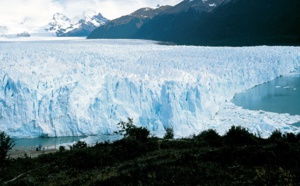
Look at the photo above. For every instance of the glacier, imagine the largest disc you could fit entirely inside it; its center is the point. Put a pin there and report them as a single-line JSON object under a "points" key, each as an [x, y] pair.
{"points": [[85, 87]]}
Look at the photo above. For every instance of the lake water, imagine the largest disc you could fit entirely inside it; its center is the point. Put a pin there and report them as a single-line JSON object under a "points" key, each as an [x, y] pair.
{"points": [[35, 142], [281, 95]]}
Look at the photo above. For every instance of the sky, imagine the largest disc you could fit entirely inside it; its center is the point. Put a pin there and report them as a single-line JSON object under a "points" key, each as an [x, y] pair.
{"points": [[40, 11]]}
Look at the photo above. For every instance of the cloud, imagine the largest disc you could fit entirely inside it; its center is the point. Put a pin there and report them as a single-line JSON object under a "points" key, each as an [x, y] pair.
{"points": [[39, 12], [110, 8], [116, 8], [16, 11]]}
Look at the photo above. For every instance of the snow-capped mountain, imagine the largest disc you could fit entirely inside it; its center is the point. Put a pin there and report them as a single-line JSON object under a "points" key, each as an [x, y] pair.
{"points": [[14, 31], [130, 26], [217, 23], [3, 30], [61, 25], [127, 26], [141, 15], [149, 12], [58, 25], [199, 5]]}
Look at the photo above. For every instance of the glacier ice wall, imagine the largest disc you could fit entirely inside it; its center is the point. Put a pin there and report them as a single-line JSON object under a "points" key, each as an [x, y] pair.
{"points": [[71, 88]]}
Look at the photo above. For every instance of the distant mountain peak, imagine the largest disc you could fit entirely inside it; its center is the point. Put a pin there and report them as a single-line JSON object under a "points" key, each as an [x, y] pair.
{"points": [[3, 30], [58, 23], [60, 16], [148, 12], [80, 26], [25, 20], [128, 26]]}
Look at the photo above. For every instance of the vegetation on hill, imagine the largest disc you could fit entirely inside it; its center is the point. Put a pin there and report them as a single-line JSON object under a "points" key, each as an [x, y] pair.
{"points": [[236, 158], [6, 144]]}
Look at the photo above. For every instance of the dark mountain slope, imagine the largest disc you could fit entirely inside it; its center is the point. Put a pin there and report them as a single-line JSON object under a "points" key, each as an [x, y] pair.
{"points": [[251, 22], [178, 28], [198, 5], [231, 23], [164, 17], [127, 26]]}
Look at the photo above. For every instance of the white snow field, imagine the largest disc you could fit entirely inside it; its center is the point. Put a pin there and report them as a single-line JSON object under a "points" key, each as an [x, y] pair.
{"points": [[85, 87]]}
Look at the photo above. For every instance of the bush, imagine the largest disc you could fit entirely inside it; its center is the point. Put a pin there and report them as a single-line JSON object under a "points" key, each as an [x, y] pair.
{"points": [[291, 138], [298, 137], [276, 136], [78, 145], [128, 130], [211, 137], [239, 136], [169, 133], [62, 149], [6, 143]]}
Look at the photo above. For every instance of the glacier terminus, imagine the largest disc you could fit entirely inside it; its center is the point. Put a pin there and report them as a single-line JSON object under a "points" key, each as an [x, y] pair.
{"points": [[85, 87]]}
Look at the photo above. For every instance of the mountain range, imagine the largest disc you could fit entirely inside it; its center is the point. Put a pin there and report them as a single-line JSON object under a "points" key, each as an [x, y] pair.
{"points": [[135, 24], [61, 25], [212, 22]]}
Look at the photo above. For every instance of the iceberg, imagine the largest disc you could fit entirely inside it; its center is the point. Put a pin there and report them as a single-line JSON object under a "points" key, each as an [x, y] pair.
{"points": [[85, 87]]}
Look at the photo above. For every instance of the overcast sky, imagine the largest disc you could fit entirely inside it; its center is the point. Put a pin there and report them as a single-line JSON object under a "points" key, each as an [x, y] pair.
{"points": [[40, 11]]}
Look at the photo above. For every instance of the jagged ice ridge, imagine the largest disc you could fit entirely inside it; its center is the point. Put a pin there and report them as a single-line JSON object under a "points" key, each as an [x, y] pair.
{"points": [[85, 87]]}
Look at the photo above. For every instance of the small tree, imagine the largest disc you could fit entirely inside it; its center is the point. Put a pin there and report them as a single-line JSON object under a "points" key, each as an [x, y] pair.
{"points": [[276, 136], [238, 135], [79, 145], [6, 143], [169, 133], [128, 130], [62, 148], [290, 137], [211, 137]]}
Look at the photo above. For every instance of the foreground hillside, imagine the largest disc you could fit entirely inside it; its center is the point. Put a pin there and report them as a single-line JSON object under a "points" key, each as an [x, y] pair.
{"points": [[237, 158]]}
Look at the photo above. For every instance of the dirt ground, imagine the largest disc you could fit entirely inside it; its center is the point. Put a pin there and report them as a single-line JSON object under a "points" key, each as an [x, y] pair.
{"points": [[21, 152]]}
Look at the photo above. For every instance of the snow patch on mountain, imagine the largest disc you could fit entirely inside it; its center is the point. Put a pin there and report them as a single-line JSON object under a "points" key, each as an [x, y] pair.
{"points": [[59, 22], [3, 30], [61, 25], [71, 88]]}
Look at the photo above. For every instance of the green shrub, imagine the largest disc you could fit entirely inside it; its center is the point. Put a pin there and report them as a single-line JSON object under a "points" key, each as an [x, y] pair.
{"points": [[237, 135], [6, 143], [210, 137], [298, 137], [62, 148], [290, 137], [169, 133], [78, 145], [276, 136], [128, 130]]}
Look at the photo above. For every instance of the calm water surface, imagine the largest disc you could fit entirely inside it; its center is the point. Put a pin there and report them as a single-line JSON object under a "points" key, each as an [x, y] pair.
{"points": [[35, 142], [281, 95], [32, 142]]}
